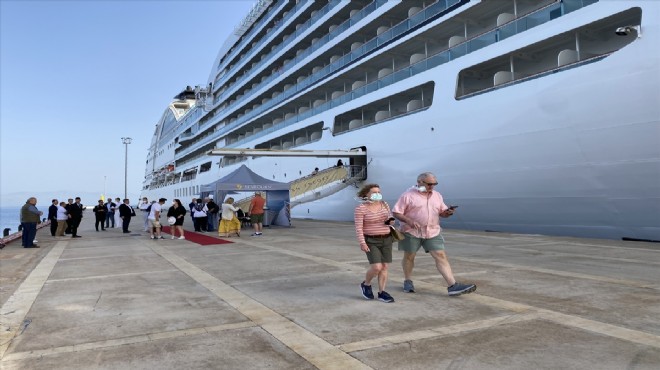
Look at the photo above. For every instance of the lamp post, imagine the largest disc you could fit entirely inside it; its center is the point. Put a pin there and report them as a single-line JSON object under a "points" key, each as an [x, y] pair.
{"points": [[126, 141]]}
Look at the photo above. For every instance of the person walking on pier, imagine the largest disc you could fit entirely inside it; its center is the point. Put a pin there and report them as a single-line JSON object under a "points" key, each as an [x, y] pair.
{"points": [[68, 221], [52, 216], [30, 217], [118, 220], [126, 212], [420, 209], [200, 214], [372, 220], [99, 212]]}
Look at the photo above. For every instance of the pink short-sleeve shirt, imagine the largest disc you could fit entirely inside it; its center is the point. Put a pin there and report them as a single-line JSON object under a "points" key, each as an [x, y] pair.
{"points": [[425, 208]]}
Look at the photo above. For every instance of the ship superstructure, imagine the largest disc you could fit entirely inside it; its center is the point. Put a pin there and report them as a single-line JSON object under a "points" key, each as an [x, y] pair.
{"points": [[536, 116]]}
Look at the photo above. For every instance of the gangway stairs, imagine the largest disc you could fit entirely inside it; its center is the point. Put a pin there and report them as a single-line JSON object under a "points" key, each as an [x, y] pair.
{"points": [[325, 183], [314, 187]]}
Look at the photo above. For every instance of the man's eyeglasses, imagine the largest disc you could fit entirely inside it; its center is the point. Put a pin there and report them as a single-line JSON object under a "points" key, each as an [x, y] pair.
{"points": [[429, 183]]}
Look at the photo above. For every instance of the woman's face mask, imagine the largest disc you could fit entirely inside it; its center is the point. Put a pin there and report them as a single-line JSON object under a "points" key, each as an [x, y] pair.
{"points": [[376, 197]]}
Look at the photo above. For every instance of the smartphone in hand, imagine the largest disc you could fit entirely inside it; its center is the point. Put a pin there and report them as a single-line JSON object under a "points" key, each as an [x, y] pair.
{"points": [[453, 207]]}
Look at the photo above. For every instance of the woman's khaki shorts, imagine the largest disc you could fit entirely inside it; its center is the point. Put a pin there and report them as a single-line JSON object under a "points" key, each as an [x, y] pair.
{"points": [[380, 250]]}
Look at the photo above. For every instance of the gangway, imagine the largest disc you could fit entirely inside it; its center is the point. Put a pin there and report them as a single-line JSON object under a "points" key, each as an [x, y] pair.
{"points": [[311, 187]]}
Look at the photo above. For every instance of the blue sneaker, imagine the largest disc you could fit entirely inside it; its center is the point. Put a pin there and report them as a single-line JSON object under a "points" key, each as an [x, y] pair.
{"points": [[385, 297], [408, 286], [367, 293], [458, 289]]}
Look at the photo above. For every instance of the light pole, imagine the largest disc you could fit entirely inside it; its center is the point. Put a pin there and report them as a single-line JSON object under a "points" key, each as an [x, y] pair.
{"points": [[126, 141]]}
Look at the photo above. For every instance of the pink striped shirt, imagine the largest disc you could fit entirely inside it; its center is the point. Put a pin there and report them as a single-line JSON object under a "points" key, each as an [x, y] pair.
{"points": [[371, 223]]}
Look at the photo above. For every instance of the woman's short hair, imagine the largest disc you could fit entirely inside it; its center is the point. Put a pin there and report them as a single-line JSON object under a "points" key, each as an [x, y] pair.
{"points": [[365, 190], [229, 200]]}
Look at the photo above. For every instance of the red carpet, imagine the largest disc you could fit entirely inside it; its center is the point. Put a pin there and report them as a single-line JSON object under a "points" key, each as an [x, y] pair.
{"points": [[198, 238]]}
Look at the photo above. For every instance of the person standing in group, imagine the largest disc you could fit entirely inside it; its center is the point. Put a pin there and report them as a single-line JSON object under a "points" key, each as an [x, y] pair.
{"points": [[118, 219], [229, 223], [30, 217], [68, 222], [52, 216], [76, 212], [178, 211], [372, 220], [256, 212], [420, 209], [154, 219], [126, 212], [100, 211], [212, 214], [200, 216], [144, 208], [191, 207], [62, 219], [110, 207]]}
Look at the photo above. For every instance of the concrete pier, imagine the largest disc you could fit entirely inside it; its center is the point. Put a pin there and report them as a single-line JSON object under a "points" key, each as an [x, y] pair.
{"points": [[291, 300]]}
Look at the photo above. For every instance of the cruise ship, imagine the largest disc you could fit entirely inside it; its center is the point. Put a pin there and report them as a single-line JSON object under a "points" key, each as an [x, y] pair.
{"points": [[537, 116]]}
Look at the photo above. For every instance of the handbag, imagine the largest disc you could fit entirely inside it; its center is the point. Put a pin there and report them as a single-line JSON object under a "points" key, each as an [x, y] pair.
{"points": [[396, 234]]}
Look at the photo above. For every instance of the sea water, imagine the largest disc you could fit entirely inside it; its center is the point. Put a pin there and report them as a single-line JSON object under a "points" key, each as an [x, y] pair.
{"points": [[10, 217]]}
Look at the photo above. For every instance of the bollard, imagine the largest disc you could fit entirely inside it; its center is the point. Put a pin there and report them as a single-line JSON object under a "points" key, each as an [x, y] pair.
{"points": [[5, 232]]}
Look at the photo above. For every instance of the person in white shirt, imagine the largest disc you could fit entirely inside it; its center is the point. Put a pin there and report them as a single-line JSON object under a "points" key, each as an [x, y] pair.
{"points": [[62, 217], [154, 219], [145, 212]]}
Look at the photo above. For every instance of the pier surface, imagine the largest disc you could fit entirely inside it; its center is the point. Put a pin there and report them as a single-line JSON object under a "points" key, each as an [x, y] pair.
{"points": [[291, 300]]}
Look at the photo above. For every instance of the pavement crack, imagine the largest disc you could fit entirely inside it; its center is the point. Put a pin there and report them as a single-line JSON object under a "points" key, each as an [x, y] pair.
{"points": [[97, 301]]}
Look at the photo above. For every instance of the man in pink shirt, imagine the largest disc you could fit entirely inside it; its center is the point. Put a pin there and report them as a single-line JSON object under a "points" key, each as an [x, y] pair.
{"points": [[419, 209]]}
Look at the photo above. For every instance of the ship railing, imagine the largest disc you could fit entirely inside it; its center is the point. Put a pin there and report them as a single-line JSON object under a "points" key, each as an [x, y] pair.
{"points": [[302, 29], [254, 49], [540, 16], [255, 29], [520, 25]]}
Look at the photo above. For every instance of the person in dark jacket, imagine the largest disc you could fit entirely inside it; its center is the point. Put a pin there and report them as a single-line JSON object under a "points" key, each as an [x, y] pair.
{"points": [[30, 217], [212, 221], [100, 212], [178, 212], [76, 212], [52, 216], [126, 212]]}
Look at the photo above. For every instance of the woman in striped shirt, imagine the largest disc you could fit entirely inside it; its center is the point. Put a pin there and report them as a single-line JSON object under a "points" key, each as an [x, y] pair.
{"points": [[373, 233]]}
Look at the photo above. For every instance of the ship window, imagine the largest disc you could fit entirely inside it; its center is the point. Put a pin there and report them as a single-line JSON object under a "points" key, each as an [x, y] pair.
{"points": [[406, 102], [575, 48], [296, 138], [205, 167]]}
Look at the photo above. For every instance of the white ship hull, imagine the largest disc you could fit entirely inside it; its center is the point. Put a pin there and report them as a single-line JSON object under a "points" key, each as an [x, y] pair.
{"points": [[574, 153]]}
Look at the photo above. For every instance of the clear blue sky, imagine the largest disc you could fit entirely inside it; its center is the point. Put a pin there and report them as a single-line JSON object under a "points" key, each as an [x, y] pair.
{"points": [[76, 76]]}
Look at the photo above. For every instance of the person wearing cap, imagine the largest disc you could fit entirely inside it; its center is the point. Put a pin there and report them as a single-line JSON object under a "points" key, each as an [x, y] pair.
{"points": [[154, 219]]}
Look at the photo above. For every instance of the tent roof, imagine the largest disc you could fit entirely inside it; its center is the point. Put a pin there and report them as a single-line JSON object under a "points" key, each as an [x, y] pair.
{"points": [[243, 179]]}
